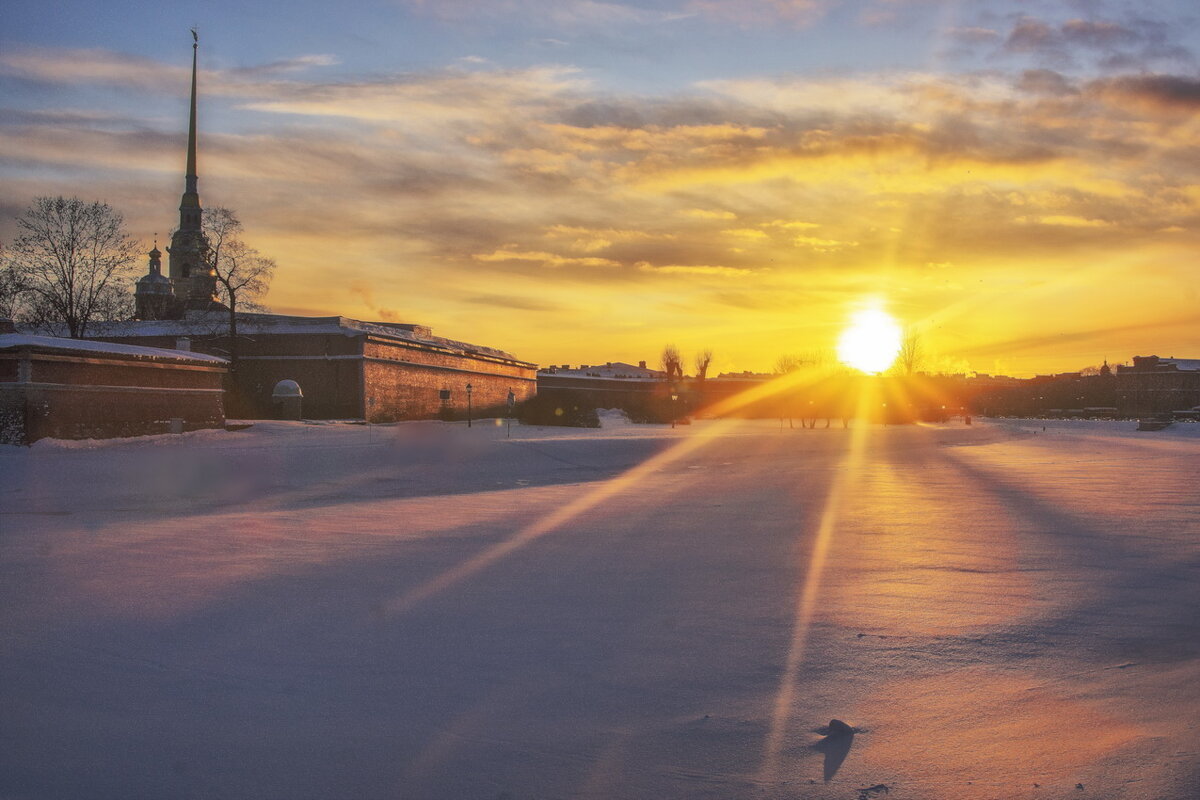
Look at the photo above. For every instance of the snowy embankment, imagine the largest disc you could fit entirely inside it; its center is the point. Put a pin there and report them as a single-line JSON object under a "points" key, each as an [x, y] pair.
{"points": [[430, 611]]}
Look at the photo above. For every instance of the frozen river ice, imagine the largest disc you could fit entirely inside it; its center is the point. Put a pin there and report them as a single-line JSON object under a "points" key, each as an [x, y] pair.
{"points": [[429, 611]]}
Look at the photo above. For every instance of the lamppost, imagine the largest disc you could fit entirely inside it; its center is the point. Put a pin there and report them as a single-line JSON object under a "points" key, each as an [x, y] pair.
{"points": [[674, 413], [468, 405], [512, 401]]}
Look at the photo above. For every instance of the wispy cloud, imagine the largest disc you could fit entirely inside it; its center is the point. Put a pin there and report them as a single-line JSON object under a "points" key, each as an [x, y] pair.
{"points": [[1159, 92], [95, 66], [519, 303], [694, 269], [800, 13], [297, 64], [1131, 44], [511, 253], [556, 13]]}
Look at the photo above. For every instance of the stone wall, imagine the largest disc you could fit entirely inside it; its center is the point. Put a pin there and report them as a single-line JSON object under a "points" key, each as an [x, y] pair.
{"points": [[75, 397], [328, 368], [408, 382], [633, 396], [360, 374]]}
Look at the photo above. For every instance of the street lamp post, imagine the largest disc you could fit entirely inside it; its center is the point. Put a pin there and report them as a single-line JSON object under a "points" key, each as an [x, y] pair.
{"points": [[674, 413], [512, 401], [468, 405]]}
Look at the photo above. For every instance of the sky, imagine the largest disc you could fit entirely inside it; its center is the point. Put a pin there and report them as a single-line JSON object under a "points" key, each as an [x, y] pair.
{"points": [[577, 181]]}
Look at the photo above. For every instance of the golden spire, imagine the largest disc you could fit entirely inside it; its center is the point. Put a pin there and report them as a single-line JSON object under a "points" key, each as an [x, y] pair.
{"points": [[189, 208]]}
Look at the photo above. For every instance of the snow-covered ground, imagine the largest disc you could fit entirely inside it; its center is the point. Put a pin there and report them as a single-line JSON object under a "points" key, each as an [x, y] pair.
{"points": [[428, 611]]}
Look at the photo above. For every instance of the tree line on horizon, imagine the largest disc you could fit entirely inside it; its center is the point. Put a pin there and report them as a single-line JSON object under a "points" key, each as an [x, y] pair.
{"points": [[910, 360]]}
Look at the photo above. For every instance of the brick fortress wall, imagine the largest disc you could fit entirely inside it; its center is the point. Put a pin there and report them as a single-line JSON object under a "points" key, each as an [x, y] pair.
{"points": [[76, 397], [408, 381], [360, 375]]}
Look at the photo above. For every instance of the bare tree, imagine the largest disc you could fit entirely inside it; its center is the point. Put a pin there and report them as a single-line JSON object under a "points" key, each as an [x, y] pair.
{"points": [[11, 287], [703, 359], [787, 363], [243, 274], [810, 359], [72, 263], [911, 357], [672, 363]]}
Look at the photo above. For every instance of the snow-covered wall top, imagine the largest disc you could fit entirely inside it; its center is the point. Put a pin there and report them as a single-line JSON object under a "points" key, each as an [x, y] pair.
{"points": [[13, 341], [216, 324]]}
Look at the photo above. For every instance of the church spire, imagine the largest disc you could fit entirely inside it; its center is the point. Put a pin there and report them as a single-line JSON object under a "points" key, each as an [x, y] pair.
{"points": [[189, 206], [192, 276]]}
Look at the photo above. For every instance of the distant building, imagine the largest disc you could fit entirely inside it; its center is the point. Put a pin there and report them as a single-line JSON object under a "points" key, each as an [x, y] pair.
{"points": [[1150, 386], [1155, 364], [1158, 386], [612, 369], [613, 384]]}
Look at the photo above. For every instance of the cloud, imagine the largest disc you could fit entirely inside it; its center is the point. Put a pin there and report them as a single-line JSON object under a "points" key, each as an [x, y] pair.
{"points": [[297, 64], [790, 224], [518, 303], [749, 235], [509, 253], [132, 74], [707, 213], [1067, 220], [1033, 35], [974, 36], [443, 96], [694, 269], [822, 245], [590, 240], [447, 95], [1045, 81], [1061, 337], [542, 13], [754, 13], [1098, 35], [1136, 43], [66, 66], [1165, 92]]}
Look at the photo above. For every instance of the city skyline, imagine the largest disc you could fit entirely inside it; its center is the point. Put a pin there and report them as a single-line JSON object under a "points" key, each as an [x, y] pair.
{"points": [[588, 181]]}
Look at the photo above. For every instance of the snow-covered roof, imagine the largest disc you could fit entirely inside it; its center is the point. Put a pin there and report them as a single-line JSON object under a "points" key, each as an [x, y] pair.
{"points": [[251, 324], [574, 375], [12, 341], [612, 369], [746, 376], [1157, 364], [1183, 364]]}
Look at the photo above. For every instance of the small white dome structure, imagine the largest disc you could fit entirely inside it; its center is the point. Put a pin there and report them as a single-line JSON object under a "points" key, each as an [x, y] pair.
{"points": [[286, 388], [287, 399]]}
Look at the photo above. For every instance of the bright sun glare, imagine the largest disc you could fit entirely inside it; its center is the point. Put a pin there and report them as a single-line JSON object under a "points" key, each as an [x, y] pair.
{"points": [[872, 341]]}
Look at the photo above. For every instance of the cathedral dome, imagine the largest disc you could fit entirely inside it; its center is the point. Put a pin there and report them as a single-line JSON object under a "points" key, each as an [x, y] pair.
{"points": [[154, 283]]}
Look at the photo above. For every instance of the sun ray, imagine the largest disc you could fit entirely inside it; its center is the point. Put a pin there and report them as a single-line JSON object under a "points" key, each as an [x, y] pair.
{"points": [[559, 517], [809, 590]]}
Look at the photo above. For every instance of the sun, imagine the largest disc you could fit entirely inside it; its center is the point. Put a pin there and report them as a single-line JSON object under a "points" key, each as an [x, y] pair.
{"points": [[871, 342]]}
